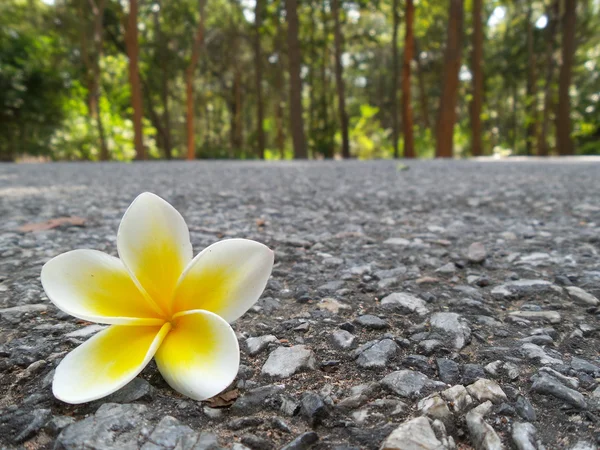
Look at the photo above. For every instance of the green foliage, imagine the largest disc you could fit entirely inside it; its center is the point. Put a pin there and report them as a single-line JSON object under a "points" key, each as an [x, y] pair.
{"points": [[45, 98], [368, 139], [424, 142], [32, 92], [76, 139]]}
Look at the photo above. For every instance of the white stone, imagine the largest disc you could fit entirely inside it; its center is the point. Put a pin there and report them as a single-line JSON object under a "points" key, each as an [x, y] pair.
{"points": [[476, 252], [406, 302], [459, 398], [332, 305], [435, 407], [544, 316], [523, 435], [284, 362], [484, 390], [343, 339], [255, 345], [397, 241], [582, 296], [482, 434], [452, 326], [536, 352], [24, 309], [415, 434]]}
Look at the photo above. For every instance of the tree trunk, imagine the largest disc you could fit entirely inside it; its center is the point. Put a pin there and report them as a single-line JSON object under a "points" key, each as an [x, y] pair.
{"points": [[279, 97], [313, 111], [189, 84], [447, 109], [217, 124], [237, 95], [85, 53], [477, 69], [531, 101], [339, 79], [395, 73], [515, 124], [312, 108], [207, 128], [280, 137], [552, 14], [325, 130], [168, 146], [98, 11], [422, 90], [131, 41], [295, 60], [508, 106], [382, 89], [147, 92], [563, 116], [92, 65], [232, 125], [189, 106], [164, 85], [260, 132], [407, 114], [154, 118]]}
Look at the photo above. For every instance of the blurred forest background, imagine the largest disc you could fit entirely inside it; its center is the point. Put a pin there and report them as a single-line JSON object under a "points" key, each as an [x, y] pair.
{"points": [[250, 79]]}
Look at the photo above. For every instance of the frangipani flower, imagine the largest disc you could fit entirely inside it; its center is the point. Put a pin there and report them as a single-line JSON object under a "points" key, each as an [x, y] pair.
{"points": [[159, 302]]}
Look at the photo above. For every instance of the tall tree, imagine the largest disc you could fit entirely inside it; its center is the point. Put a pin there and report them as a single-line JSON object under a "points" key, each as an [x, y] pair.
{"points": [[395, 74], [407, 115], [326, 132], [311, 65], [92, 63], [260, 132], [295, 61], [510, 79], [447, 109], [163, 56], [279, 96], [552, 15], [237, 127], [423, 99], [531, 101], [477, 70], [339, 78], [131, 42], [189, 83], [563, 116]]}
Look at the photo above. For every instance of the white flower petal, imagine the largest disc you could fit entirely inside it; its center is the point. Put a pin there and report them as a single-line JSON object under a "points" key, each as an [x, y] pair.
{"points": [[226, 278], [200, 356], [94, 286], [154, 243], [106, 362]]}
